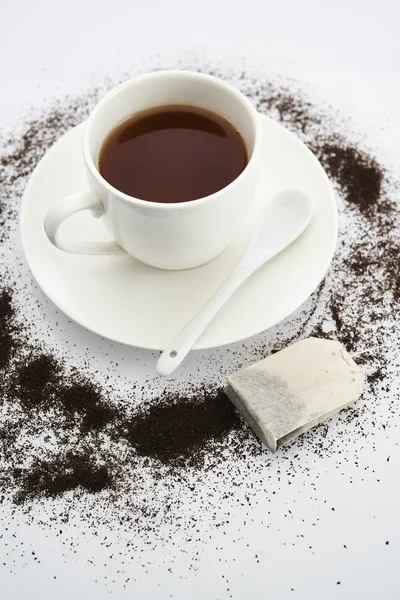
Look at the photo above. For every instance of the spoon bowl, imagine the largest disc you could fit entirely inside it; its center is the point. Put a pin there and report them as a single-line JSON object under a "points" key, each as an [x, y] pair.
{"points": [[283, 219]]}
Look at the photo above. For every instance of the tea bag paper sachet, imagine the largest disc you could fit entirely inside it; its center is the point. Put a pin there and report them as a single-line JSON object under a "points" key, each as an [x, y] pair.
{"points": [[291, 391]]}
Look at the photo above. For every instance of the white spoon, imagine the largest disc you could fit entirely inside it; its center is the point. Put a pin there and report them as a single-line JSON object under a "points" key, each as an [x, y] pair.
{"points": [[284, 218]]}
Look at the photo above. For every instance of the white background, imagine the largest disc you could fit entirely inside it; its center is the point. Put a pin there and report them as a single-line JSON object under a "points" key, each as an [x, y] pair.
{"points": [[348, 53]]}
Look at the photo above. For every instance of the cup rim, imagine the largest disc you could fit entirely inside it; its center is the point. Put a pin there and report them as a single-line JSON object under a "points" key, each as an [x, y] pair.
{"points": [[160, 74]]}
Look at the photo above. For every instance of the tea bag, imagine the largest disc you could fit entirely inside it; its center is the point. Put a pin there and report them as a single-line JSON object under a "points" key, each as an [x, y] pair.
{"points": [[291, 391]]}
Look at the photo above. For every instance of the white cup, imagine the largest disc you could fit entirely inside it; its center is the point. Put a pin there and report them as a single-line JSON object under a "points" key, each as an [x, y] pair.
{"points": [[168, 236]]}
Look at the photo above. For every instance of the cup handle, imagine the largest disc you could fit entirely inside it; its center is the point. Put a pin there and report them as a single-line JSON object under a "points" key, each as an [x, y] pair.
{"points": [[64, 209]]}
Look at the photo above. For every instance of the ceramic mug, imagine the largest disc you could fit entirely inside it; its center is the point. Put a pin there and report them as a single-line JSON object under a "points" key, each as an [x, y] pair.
{"points": [[168, 236]]}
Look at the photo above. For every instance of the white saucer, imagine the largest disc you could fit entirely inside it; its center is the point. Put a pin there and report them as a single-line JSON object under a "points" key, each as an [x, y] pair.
{"points": [[122, 299]]}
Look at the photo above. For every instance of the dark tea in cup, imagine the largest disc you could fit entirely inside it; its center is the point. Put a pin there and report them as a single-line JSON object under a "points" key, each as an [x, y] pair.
{"points": [[173, 154]]}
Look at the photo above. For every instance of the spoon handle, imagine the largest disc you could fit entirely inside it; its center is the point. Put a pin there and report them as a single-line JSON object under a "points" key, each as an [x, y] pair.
{"points": [[178, 349]]}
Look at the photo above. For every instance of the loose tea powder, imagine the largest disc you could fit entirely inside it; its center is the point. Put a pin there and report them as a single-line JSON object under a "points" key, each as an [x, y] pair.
{"points": [[6, 328], [358, 175], [62, 474], [41, 385], [35, 382], [177, 431]]}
